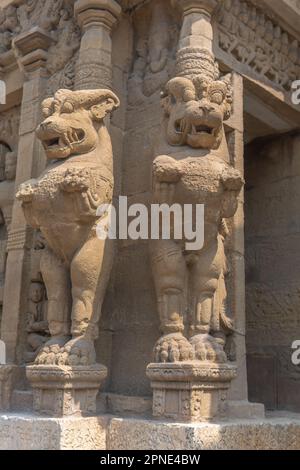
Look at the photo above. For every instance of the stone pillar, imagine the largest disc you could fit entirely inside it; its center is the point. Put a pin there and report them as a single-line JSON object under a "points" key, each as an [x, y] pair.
{"points": [[192, 376], [239, 406], [31, 48], [96, 19], [196, 30]]}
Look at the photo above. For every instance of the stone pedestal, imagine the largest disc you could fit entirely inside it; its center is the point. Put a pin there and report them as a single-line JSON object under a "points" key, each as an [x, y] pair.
{"points": [[64, 390], [190, 391]]}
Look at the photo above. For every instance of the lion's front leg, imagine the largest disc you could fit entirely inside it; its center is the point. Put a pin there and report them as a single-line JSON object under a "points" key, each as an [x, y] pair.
{"points": [[170, 277], [57, 281], [205, 273], [90, 271]]}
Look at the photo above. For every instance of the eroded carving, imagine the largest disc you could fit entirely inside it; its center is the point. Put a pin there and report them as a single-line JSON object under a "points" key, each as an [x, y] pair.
{"points": [[54, 17], [247, 33], [194, 169], [37, 325], [155, 44], [62, 203], [7, 195], [8, 27]]}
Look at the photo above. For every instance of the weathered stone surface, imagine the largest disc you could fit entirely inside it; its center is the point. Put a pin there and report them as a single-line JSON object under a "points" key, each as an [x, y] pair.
{"points": [[29, 432], [272, 300], [225, 69], [6, 383], [105, 433], [195, 391]]}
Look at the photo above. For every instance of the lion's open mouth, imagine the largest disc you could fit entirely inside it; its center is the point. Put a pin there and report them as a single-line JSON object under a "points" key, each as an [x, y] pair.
{"points": [[67, 140], [195, 129], [200, 129]]}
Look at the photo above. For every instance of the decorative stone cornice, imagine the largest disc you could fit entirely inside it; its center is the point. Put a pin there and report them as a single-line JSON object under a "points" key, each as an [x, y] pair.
{"points": [[94, 12]]}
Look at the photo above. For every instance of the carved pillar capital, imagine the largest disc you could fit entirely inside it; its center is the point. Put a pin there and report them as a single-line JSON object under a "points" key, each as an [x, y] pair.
{"points": [[32, 49], [198, 6], [91, 13]]}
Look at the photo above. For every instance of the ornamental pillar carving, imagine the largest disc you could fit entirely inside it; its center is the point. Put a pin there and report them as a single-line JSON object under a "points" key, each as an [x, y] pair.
{"points": [[75, 265], [31, 53], [96, 19], [191, 375]]}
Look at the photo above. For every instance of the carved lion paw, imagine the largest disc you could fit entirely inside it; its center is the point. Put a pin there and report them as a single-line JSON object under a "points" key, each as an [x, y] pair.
{"points": [[78, 352], [208, 349], [49, 353], [173, 347]]}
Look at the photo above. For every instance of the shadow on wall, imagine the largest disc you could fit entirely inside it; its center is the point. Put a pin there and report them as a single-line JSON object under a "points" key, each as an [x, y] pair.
{"points": [[272, 237]]}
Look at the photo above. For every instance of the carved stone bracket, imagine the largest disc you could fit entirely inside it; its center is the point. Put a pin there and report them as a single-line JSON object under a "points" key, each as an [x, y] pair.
{"points": [[190, 391], [64, 391], [32, 48]]}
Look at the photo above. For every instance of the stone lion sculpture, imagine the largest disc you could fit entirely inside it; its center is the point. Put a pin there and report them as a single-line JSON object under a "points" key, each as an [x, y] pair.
{"points": [[62, 203], [193, 168]]}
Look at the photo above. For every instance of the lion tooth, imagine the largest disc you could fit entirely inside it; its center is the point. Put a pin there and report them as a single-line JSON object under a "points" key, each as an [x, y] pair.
{"points": [[74, 136], [67, 141]]}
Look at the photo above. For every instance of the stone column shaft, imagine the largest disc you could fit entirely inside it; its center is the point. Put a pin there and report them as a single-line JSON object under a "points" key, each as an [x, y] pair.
{"points": [[196, 30], [96, 19]]}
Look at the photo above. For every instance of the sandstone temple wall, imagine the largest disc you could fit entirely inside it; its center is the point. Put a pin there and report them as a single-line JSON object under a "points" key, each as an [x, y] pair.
{"points": [[130, 47]]}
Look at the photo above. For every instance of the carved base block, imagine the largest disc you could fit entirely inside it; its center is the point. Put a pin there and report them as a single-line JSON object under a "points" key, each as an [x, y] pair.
{"points": [[64, 390], [31, 432], [6, 376], [190, 391]]}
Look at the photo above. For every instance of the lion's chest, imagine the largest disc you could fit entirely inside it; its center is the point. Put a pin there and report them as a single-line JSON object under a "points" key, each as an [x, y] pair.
{"points": [[199, 180], [60, 194]]}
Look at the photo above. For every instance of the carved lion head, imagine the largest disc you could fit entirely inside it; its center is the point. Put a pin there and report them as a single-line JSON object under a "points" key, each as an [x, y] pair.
{"points": [[197, 100], [195, 109], [72, 121]]}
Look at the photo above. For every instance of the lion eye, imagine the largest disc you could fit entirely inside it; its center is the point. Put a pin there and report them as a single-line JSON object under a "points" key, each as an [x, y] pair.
{"points": [[217, 97], [172, 99], [47, 112], [67, 107]]}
